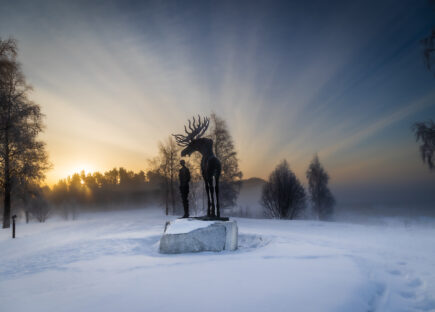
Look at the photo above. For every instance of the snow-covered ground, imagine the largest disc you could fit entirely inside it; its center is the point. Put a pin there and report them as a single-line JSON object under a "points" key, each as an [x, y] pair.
{"points": [[109, 262]]}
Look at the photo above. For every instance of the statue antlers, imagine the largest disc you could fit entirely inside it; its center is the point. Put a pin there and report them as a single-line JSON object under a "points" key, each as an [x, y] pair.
{"points": [[195, 133]]}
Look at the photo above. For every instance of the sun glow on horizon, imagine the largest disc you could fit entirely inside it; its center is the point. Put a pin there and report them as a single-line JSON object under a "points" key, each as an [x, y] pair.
{"points": [[53, 177], [77, 168]]}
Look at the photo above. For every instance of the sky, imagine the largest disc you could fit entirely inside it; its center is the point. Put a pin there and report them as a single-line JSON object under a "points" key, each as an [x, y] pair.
{"points": [[343, 79]]}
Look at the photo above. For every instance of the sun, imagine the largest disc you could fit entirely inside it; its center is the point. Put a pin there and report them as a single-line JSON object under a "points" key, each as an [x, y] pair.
{"points": [[68, 169], [87, 168]]}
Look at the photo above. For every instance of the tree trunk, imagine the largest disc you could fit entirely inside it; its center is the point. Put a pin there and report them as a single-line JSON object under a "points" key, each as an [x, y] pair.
{"points": [[166, 196], [172, 197], [7, 208], [7, 188], [7, 198], [292, 214]]}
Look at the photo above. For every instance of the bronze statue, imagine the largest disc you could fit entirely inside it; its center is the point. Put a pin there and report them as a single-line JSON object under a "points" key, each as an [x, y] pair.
{"points": [[184, 176], [210, 165]]}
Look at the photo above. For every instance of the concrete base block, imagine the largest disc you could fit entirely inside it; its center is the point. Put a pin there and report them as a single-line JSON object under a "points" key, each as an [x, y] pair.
{"points": [[193, 235]]}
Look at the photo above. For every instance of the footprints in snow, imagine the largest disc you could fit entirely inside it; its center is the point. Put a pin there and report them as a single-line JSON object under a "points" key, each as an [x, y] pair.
{"points": [[407, 294], [395, 272], [409, 288], [416, 282]]}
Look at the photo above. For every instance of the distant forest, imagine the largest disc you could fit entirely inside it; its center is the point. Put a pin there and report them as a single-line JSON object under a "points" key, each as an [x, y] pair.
{"points": [[113, 187]]}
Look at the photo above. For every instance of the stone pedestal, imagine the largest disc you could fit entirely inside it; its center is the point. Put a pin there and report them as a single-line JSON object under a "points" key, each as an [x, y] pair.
{"points": [[193, 235]]}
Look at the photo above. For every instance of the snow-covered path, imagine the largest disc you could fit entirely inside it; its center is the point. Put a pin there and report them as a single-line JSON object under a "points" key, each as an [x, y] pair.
{"points": [[109, 262]]}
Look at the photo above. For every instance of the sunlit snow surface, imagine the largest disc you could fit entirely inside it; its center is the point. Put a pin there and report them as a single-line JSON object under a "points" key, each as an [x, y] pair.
{"points": [[110, 262]]}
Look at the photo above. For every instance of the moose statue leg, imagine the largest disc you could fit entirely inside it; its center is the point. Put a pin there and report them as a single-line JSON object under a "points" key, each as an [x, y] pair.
{"points": [[213, 211], [216, 188], [207, 190]]}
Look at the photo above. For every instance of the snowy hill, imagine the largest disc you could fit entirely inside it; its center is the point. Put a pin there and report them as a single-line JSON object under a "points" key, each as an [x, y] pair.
{"points": [[109, 262]]}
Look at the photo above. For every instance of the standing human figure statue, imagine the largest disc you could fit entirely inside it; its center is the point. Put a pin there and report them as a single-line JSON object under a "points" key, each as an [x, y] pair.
{"points": [[184, 176], [211, 168]]}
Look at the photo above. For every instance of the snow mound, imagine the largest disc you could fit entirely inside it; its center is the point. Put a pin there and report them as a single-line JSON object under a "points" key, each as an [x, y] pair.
{"points": [[180, 226]]}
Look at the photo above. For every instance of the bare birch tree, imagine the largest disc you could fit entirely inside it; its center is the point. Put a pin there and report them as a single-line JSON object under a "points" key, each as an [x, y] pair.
{"points": [[168, 162], [23, 158]]}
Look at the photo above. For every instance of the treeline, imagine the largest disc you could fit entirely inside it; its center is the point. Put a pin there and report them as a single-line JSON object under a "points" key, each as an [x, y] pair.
{"points": [[118, 188], [114, 189], [283, 195], [102, 190]]}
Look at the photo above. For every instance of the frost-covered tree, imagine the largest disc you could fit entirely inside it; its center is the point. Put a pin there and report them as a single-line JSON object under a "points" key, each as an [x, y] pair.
{"points": [[168, 166], [320, 196], [283, 195], [23, 158], [225, 151], [37, 203], [425, 133]]}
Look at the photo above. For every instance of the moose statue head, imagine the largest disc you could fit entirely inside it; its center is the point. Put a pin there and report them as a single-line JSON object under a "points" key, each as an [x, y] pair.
{"points": [[210, 165]]}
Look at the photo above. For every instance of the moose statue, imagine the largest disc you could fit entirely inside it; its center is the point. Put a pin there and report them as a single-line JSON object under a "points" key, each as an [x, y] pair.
{"points": [[210, 164]]}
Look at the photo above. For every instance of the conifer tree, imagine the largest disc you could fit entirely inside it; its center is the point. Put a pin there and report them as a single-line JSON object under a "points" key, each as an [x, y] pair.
{"points": [[321, 197]]}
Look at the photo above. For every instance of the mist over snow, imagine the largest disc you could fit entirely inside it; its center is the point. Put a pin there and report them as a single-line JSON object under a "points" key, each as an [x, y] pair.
{"points": [[248, 201], [110, 262]]}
